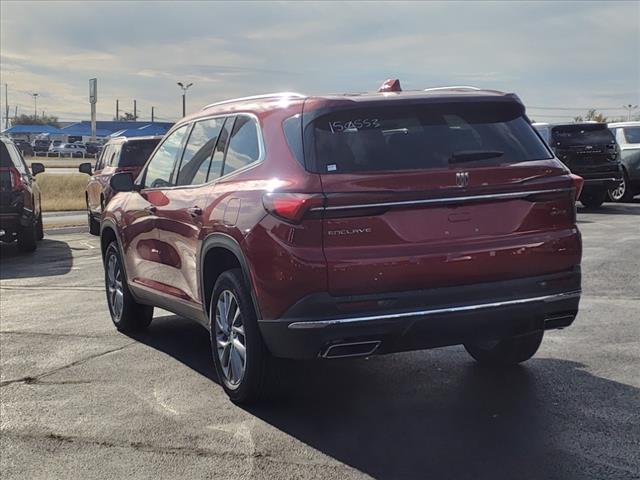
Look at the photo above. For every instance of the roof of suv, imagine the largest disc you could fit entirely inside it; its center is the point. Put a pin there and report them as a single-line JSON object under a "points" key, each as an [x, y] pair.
{"points": [[133, 139], [287, 98], [624, 124]]}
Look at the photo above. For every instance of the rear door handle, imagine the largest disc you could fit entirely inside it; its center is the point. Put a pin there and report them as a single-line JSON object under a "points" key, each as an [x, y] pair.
{"points": [[194, 211], [150, 209]]}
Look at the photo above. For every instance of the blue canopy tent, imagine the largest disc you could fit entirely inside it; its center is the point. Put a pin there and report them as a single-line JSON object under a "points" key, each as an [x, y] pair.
{"points": [[33, 130]]}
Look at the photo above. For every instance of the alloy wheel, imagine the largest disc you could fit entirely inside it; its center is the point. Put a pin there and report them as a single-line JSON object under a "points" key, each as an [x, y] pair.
{"points": [[230, 339], [115, 292], [618, 192]]}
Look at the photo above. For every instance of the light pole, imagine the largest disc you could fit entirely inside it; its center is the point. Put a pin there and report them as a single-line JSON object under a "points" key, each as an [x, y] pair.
{"points": [[35, 105], [629, 108], [184, 96]]}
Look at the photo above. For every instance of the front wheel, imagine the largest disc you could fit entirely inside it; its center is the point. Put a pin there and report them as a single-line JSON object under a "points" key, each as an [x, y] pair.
{"points": [[94, 225], [505, 352], [127, 314], [593, 199], [241, 359]]}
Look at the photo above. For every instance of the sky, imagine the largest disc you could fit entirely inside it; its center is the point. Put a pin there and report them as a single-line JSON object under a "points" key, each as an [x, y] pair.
{"points": [[559, 57]]}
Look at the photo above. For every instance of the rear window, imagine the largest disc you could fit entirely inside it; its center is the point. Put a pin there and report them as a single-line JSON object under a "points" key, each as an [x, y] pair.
{"points": [[632, 134], [5, 159], [423, 136], [579, 135], [135, 154]]}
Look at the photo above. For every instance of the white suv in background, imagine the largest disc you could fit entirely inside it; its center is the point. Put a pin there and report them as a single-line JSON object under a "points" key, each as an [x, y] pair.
{"points": [[68, 149], [628, 138]]}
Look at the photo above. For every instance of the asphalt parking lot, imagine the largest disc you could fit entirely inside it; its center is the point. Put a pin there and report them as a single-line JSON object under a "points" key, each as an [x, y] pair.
{"points": [[80, 400]]}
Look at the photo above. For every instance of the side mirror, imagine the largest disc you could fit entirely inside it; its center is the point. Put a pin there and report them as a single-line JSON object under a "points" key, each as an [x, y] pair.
{"points": [[122, 182], [37, 168], [85, 168]]}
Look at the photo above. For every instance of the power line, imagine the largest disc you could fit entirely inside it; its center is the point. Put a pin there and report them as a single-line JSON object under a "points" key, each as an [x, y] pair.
{"points": [[575, 108]]}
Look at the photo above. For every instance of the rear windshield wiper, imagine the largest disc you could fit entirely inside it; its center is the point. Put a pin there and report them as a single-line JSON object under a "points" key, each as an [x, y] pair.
{"points": [[474, 155]]}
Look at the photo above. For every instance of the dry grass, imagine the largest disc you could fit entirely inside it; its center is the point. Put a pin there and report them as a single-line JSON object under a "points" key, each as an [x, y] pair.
{"points": [[59, 162], [62, 191]]}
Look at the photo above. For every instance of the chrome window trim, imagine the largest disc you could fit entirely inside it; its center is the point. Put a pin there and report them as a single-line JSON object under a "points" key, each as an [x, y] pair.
{"points": [[261, 149], [422, 313], [445, 200]]}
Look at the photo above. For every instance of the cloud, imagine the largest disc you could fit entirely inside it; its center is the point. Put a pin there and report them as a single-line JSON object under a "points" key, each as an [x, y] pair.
{"points": [[567, 54]]}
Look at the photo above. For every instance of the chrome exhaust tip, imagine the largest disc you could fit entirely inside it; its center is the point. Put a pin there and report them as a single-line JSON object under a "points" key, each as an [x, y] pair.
{"points": [[353, 349]]}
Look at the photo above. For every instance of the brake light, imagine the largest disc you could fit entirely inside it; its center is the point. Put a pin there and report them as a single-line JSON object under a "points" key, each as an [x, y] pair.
{"points": [[15, 179], [291, 206], [578, 181]]}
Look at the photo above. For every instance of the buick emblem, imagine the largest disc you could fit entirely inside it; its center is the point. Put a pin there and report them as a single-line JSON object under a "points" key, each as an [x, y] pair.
{"points": [[462, 179]]}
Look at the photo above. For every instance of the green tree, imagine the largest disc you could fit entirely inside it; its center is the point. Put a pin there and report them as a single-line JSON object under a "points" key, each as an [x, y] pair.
{"points": [[592, 115], [125, 117], [31, 120]]}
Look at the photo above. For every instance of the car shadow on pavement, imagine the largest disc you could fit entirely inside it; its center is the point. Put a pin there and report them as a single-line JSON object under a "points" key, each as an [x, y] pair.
{"points": [[612, 209], [52, 257], [436, 414]]}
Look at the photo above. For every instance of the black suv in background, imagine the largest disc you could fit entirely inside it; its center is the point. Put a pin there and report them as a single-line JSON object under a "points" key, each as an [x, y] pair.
{"points": [[20, 214], [589, 150]]}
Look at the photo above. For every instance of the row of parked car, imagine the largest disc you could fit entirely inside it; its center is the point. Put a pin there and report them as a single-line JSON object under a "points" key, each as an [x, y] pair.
{"points": [[349, 225], [58, 148]]}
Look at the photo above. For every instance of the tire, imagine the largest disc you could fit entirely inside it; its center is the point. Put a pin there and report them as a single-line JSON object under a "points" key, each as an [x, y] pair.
{"points": [[624, 192], [40, 227], [127, 315], [28, 237], [94, 225], [505, 352], [229, 331], [593, 199]]}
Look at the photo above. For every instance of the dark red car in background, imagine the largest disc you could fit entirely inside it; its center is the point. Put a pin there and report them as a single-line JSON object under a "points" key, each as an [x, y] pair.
{"points": [[348, 225], [120, 154], [20, 212]]}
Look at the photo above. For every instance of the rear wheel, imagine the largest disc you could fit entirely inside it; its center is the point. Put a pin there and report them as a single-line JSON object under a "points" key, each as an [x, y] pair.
{"points": [[241, 359], [507, 351], [127, 315], [40, 227], [593, 199], [28, 237], [623, 192]]}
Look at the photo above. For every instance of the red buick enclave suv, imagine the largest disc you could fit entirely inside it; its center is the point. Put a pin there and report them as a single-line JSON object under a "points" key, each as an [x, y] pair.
{"points": [[348, 225]]}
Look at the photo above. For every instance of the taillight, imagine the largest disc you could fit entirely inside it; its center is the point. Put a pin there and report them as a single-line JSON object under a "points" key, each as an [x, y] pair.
{"points": [[15, 179], [291, 207], [578, 182]]}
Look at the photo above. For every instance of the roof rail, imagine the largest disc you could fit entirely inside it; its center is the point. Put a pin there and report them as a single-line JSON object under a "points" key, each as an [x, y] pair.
{"points": [[453, 87], [256, 97]]}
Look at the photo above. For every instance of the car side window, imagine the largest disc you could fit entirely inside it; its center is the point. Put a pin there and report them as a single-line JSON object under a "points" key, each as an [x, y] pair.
{"points": [[106, 151], [198, 152], [160, 168], [243, 145], [221, 146]]}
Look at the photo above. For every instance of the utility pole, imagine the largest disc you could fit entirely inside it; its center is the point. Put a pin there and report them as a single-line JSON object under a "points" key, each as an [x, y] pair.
{"points": [[93, 99], [35, 105], [152, 114], [135, 112], [629, 108], [184, 96], [6, 105], [117, 110]]}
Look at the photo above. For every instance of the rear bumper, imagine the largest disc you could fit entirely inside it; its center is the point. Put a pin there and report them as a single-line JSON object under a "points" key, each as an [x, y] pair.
{"points": [[12, 222], [427, 318], [602, 180]]}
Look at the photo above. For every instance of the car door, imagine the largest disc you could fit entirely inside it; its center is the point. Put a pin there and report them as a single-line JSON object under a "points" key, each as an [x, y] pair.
{"points": [[181, 217], [96, 183], [144, 253]]}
